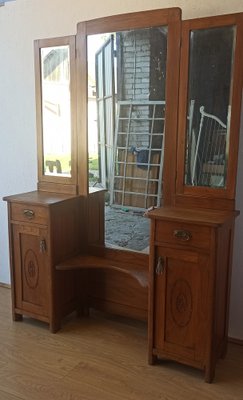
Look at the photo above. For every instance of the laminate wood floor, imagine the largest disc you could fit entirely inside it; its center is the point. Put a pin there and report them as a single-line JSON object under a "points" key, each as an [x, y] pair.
{"points": [[99, 358]]}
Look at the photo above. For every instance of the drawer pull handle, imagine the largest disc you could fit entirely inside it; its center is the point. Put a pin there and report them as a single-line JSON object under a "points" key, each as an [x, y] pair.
{"points": [[42, 246], [160, 267], [182, 235], [29, 214]]}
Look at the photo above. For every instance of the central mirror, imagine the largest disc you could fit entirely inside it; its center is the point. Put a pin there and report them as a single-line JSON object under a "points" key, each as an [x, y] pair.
{"points": [[126, 125]]}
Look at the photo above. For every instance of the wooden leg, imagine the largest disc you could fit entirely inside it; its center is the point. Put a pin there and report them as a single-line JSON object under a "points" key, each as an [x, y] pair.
{"points": [[83, 311], [151, 358], [55, 326], [17, 317], [224, 349], [209, 374]]}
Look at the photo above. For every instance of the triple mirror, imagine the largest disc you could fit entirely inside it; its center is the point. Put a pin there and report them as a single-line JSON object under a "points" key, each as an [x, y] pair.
{"points": [[119, 85]]}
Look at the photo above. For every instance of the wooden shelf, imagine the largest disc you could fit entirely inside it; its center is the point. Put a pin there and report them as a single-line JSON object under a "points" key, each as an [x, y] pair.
{"points": [[92, 262]]}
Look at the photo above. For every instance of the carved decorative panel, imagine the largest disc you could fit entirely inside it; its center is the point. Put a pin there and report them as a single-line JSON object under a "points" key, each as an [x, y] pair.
{"points": [[181, 303], [31, 269]]}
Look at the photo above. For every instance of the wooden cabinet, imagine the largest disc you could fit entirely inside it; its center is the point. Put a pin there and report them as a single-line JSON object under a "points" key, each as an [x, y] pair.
{"points": [[44, 229], [189, 284], [31, 273], [192, 235]]}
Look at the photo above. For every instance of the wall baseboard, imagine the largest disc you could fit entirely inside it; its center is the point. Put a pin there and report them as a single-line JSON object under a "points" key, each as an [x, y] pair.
{"points": [[235, 341], [6, 285]]}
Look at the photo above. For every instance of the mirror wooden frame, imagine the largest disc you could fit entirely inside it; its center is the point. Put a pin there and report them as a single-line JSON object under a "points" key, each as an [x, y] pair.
{"points": [[191, 196], [169, 17]]}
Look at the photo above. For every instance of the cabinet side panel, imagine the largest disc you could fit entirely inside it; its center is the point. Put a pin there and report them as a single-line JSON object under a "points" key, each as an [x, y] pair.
{"points": [[66, 237], [222, 290], [66, 228]]}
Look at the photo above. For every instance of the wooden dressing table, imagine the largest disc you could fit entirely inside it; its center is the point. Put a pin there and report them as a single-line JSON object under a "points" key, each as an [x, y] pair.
{"points": [[60, 261]]}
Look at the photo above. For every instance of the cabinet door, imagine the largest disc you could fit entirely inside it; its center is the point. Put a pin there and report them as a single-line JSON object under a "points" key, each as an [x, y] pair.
{"points": [[181, 304], [30, 270]]}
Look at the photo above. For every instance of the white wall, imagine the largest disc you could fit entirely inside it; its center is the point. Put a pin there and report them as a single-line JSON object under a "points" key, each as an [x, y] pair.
{"points": [[23, 21]]}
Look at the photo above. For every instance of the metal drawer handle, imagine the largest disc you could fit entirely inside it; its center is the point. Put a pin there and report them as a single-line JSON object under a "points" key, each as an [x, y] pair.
{"points": [[29, 213], [42, 246], [160, 267], [182, 235]]}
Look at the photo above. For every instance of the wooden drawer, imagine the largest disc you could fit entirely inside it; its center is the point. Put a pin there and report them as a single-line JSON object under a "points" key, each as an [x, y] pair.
{"points": [[29, 213], [183, 234]]}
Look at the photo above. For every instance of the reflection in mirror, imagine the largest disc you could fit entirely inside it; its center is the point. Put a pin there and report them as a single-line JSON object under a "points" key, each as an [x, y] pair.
{"points": [[209, 99], [56, 113], [126, 110]]}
